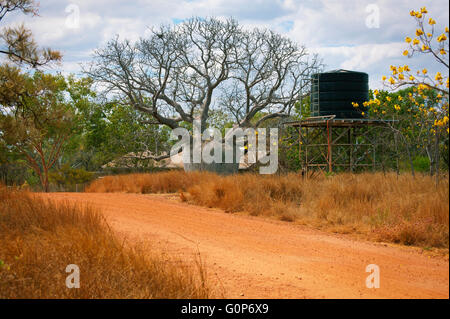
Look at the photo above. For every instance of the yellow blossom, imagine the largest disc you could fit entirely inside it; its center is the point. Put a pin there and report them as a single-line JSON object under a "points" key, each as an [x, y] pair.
{"points": [[391, 80], [405, 53], [438, 76], [416, 41], [419, 32], [441, 38], [423, 10], [424, 71], [442, 52], [411, 78], [383, 78], [407, 39], [431, 21]]}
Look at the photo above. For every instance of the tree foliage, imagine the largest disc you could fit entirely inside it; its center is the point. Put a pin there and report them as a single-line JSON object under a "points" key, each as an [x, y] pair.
{"points": [[37, 122], [419, 113], [17, 43]]}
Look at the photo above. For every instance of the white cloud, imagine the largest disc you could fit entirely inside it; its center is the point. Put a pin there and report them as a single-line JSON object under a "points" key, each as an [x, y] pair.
{"points": [[361, 56], [334, 28]]}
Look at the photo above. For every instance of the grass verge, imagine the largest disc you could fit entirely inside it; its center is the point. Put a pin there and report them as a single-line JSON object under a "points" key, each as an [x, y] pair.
{"points": [[40, 238]]}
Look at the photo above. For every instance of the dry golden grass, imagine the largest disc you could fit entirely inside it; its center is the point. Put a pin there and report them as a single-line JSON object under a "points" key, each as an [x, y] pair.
{"points": [[164, 182], [399, 209], [39, 239]]}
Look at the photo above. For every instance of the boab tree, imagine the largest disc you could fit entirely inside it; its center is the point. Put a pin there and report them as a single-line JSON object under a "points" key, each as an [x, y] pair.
{"points": [[180, 73]]}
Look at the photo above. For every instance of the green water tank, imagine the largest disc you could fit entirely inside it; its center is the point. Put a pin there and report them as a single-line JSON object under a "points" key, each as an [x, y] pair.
{"points": [[333, 92]]}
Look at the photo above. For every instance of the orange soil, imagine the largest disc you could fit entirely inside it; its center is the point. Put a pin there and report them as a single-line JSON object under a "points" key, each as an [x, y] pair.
{"points": [[251, 257]]}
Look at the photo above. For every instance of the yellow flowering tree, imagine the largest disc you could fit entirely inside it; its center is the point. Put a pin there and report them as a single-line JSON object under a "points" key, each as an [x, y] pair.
{"points": [[426, 105], [415, 118], [430, 40], [433, 41]]}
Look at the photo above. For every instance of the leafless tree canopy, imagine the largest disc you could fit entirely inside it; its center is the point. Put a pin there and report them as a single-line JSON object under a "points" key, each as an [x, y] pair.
{"points": [[181, 72]]}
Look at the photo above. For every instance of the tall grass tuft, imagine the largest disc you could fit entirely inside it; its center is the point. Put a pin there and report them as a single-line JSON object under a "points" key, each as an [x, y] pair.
{"points": [[40, 238]]}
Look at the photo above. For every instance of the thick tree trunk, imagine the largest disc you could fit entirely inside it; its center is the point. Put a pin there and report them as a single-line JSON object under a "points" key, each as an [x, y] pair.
{"points": [[222, 167], [46, 185]]}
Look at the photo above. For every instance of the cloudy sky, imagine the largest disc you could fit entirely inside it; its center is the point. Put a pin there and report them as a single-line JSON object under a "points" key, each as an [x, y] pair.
{"points": [[349, 34]]}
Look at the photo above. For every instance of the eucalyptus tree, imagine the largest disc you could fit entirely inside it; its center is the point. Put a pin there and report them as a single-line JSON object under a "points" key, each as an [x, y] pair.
{"points": [[37, 120]]}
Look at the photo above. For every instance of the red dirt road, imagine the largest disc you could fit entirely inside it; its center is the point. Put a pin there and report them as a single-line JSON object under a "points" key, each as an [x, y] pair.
{"points": [[251, 257]]}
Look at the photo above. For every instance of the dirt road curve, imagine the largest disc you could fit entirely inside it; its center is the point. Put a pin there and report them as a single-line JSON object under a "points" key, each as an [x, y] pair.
{"points": [[250, 257]]}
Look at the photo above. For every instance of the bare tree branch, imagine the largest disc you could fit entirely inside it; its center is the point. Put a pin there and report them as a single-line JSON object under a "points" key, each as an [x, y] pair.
{"points": [[182, 72]]}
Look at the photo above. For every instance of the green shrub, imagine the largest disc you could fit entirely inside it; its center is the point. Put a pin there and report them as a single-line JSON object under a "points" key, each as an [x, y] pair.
{"points": [[421, 164], [68, 176]]}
